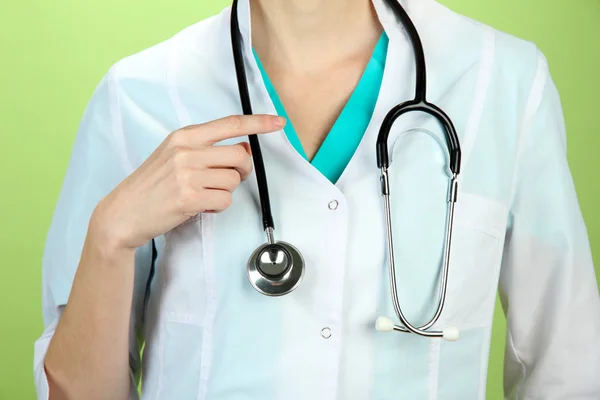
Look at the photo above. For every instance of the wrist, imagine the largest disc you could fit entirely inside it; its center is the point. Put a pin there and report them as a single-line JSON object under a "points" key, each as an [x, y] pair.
{"points": [[104, 238]]}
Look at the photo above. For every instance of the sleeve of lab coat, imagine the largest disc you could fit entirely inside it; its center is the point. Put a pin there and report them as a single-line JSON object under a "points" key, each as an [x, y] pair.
{"points": [[548, 285], [97, 165]]}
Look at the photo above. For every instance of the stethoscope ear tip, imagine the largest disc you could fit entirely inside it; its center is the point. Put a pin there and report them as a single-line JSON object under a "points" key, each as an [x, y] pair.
{"points": [[451, 333], [384, 324]]}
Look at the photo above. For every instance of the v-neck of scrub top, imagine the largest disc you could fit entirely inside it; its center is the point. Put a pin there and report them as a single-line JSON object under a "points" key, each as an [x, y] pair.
{"points": [[343, 139]]}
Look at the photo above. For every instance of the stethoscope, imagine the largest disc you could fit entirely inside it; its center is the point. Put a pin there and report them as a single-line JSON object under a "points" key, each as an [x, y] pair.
{"points": [[276, 268]]}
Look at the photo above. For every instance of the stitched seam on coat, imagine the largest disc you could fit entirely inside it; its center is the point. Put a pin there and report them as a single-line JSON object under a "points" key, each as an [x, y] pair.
{"points": [[117, 123], [161, 362], [533, 103], [519, 387], [483, 83], [159, 332], [184, 318], [182, 114], [182, 117], [434, 368], [531, 108], [211, 302], [203, 220]]}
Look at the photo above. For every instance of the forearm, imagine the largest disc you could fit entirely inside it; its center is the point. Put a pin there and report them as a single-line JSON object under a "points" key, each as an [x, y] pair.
{"points": [[88, 354]]}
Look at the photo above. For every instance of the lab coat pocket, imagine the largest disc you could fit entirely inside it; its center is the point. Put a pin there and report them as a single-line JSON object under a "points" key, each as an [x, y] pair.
{"points": [[175, 352], [419, 186], [184, 287], [173, 361], [475, 258], [182, 353]]}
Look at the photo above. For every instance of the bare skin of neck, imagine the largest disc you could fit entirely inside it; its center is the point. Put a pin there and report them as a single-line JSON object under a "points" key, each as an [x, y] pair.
{"points": [[314, 52]]}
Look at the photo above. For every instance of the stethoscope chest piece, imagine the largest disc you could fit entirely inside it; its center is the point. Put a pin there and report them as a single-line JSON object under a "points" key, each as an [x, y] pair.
{"points": [[275, 269]]}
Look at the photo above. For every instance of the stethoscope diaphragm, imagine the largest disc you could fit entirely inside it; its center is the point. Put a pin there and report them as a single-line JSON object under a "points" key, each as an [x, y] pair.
{"points": [[275, 269]]}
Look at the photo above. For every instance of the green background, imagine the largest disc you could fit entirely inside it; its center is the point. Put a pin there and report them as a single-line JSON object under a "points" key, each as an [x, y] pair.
{"points": [[53, 54]]}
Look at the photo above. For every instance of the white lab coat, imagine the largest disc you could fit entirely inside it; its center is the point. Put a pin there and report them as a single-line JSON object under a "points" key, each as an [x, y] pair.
{"points": [[518, 227]]}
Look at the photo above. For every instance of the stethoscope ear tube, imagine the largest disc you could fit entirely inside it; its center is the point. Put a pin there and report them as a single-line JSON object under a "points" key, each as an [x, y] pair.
{"points": [[259, 166]]}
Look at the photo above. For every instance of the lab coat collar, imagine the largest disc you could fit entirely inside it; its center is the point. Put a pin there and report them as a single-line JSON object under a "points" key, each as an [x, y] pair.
{"points": [[391, 25]]}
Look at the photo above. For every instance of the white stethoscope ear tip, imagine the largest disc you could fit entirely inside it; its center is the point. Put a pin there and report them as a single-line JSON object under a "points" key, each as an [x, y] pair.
{"points": [[384, 324], [451, 333]]}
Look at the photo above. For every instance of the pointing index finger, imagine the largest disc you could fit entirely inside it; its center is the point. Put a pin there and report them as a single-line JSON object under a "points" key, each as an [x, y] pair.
{"points": [[240, 125]]}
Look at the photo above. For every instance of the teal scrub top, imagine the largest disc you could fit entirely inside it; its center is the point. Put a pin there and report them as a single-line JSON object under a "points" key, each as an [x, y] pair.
{"points": [[346, 133]]}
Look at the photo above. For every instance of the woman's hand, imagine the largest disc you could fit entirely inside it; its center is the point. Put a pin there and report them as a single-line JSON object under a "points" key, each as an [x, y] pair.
{"points": [[185, 175]]}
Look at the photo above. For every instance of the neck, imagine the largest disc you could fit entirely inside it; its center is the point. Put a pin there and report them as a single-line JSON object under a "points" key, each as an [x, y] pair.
{"points": [[308, 35]]}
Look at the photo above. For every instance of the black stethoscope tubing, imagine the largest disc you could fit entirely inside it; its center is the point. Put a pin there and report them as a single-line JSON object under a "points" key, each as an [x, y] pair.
{"points": [[259, 165]]}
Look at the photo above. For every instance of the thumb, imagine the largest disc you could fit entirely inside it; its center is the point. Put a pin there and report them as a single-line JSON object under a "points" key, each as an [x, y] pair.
{"points": [[246, 147]]}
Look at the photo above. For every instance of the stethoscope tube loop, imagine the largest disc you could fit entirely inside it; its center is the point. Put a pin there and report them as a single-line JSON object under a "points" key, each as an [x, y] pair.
{"points": [[426, 107], [448, 333], [419, 103]]}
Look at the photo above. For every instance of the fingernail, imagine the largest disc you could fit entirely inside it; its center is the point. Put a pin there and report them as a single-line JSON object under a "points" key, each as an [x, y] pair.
{"points": [[280, 122]]}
